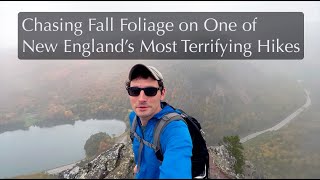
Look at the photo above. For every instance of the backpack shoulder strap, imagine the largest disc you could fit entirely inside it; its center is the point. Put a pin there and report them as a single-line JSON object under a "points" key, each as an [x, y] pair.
{"points": [[166, 119], [140, 140], [134, 134], [133, 127]]}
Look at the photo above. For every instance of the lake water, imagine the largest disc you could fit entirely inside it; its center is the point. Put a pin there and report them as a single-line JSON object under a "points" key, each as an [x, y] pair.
{"points": [[38, 149]]}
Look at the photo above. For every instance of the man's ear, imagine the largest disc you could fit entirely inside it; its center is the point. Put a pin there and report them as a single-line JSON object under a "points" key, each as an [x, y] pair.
{"points": [[163, 93]]}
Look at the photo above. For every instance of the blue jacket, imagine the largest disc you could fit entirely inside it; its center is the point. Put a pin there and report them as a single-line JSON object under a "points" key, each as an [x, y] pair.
{"points": [[176, 146]]}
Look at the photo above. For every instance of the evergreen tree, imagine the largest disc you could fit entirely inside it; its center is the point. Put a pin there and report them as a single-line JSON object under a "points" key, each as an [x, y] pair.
{"points": [[234, 147]]}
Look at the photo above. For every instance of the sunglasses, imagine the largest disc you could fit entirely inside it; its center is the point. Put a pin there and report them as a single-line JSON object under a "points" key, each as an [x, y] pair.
{"points": [[148, 91]]}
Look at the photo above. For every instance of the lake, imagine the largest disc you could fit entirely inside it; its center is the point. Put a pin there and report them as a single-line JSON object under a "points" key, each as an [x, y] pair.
{"points": [[38, 149]]}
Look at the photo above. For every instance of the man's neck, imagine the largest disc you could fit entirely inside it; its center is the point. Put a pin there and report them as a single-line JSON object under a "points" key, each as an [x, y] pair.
{"points": [[144, 121]]}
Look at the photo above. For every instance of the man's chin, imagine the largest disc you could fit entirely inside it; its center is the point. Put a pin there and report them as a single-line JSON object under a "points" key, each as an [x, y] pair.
{"points": [[142, 114]]}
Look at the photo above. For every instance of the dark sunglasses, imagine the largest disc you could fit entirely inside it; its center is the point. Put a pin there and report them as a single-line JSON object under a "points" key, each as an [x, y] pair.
{"points": [[148, 91]]}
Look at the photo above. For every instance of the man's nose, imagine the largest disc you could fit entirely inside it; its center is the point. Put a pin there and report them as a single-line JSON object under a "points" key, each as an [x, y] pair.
{"points": [[142, 96]]}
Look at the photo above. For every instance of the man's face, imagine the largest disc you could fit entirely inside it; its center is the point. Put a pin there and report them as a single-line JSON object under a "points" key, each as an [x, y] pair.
{"points": [[146, 106]]}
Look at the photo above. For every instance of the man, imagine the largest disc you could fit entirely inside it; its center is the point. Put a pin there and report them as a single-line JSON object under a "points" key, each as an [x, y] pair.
{"points": [[146, 91]]}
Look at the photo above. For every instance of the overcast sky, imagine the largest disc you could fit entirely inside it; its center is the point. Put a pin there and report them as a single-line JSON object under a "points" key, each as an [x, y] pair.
{"points": [[9, 11]]}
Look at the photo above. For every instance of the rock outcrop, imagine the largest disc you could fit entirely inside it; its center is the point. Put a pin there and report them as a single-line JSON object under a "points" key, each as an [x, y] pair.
{"points": [[117, 163], [221, 165]]}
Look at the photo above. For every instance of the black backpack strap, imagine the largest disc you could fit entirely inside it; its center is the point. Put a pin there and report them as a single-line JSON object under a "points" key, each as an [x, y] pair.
{"points": [[166, 119]]}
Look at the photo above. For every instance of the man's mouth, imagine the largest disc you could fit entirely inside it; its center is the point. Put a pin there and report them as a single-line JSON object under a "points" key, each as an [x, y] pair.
{"points": [[142, 107]]}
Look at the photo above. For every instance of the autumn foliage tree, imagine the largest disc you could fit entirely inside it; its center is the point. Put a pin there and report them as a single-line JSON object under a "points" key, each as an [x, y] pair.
{"points": [[97, 143]]}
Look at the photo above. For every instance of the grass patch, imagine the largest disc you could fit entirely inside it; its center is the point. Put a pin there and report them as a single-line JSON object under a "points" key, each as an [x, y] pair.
{"points": [[30, 120], [41, 175]]}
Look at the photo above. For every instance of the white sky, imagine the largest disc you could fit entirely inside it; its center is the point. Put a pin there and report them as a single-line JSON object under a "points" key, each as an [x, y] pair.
{"points": [[9, 11]]}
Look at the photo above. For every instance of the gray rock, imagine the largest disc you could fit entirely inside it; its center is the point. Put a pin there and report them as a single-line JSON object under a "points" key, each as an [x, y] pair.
{"points": [[118, 163], [224, 162], [115, 163]]}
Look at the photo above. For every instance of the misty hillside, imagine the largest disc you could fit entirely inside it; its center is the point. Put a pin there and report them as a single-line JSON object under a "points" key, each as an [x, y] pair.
{"points": [[228, 97], [233, 97], [292, 152]]}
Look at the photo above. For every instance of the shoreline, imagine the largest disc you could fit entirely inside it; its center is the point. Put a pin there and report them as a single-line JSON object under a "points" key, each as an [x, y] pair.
{"points": [[57, 170], [122, 138]]}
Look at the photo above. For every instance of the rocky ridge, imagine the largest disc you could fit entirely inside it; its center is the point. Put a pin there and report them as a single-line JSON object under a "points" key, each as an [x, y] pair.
{"points": [[118, 162]]}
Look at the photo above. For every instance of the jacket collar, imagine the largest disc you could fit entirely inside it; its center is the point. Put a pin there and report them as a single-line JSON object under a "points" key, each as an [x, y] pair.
{"points": [[165, 110]]}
